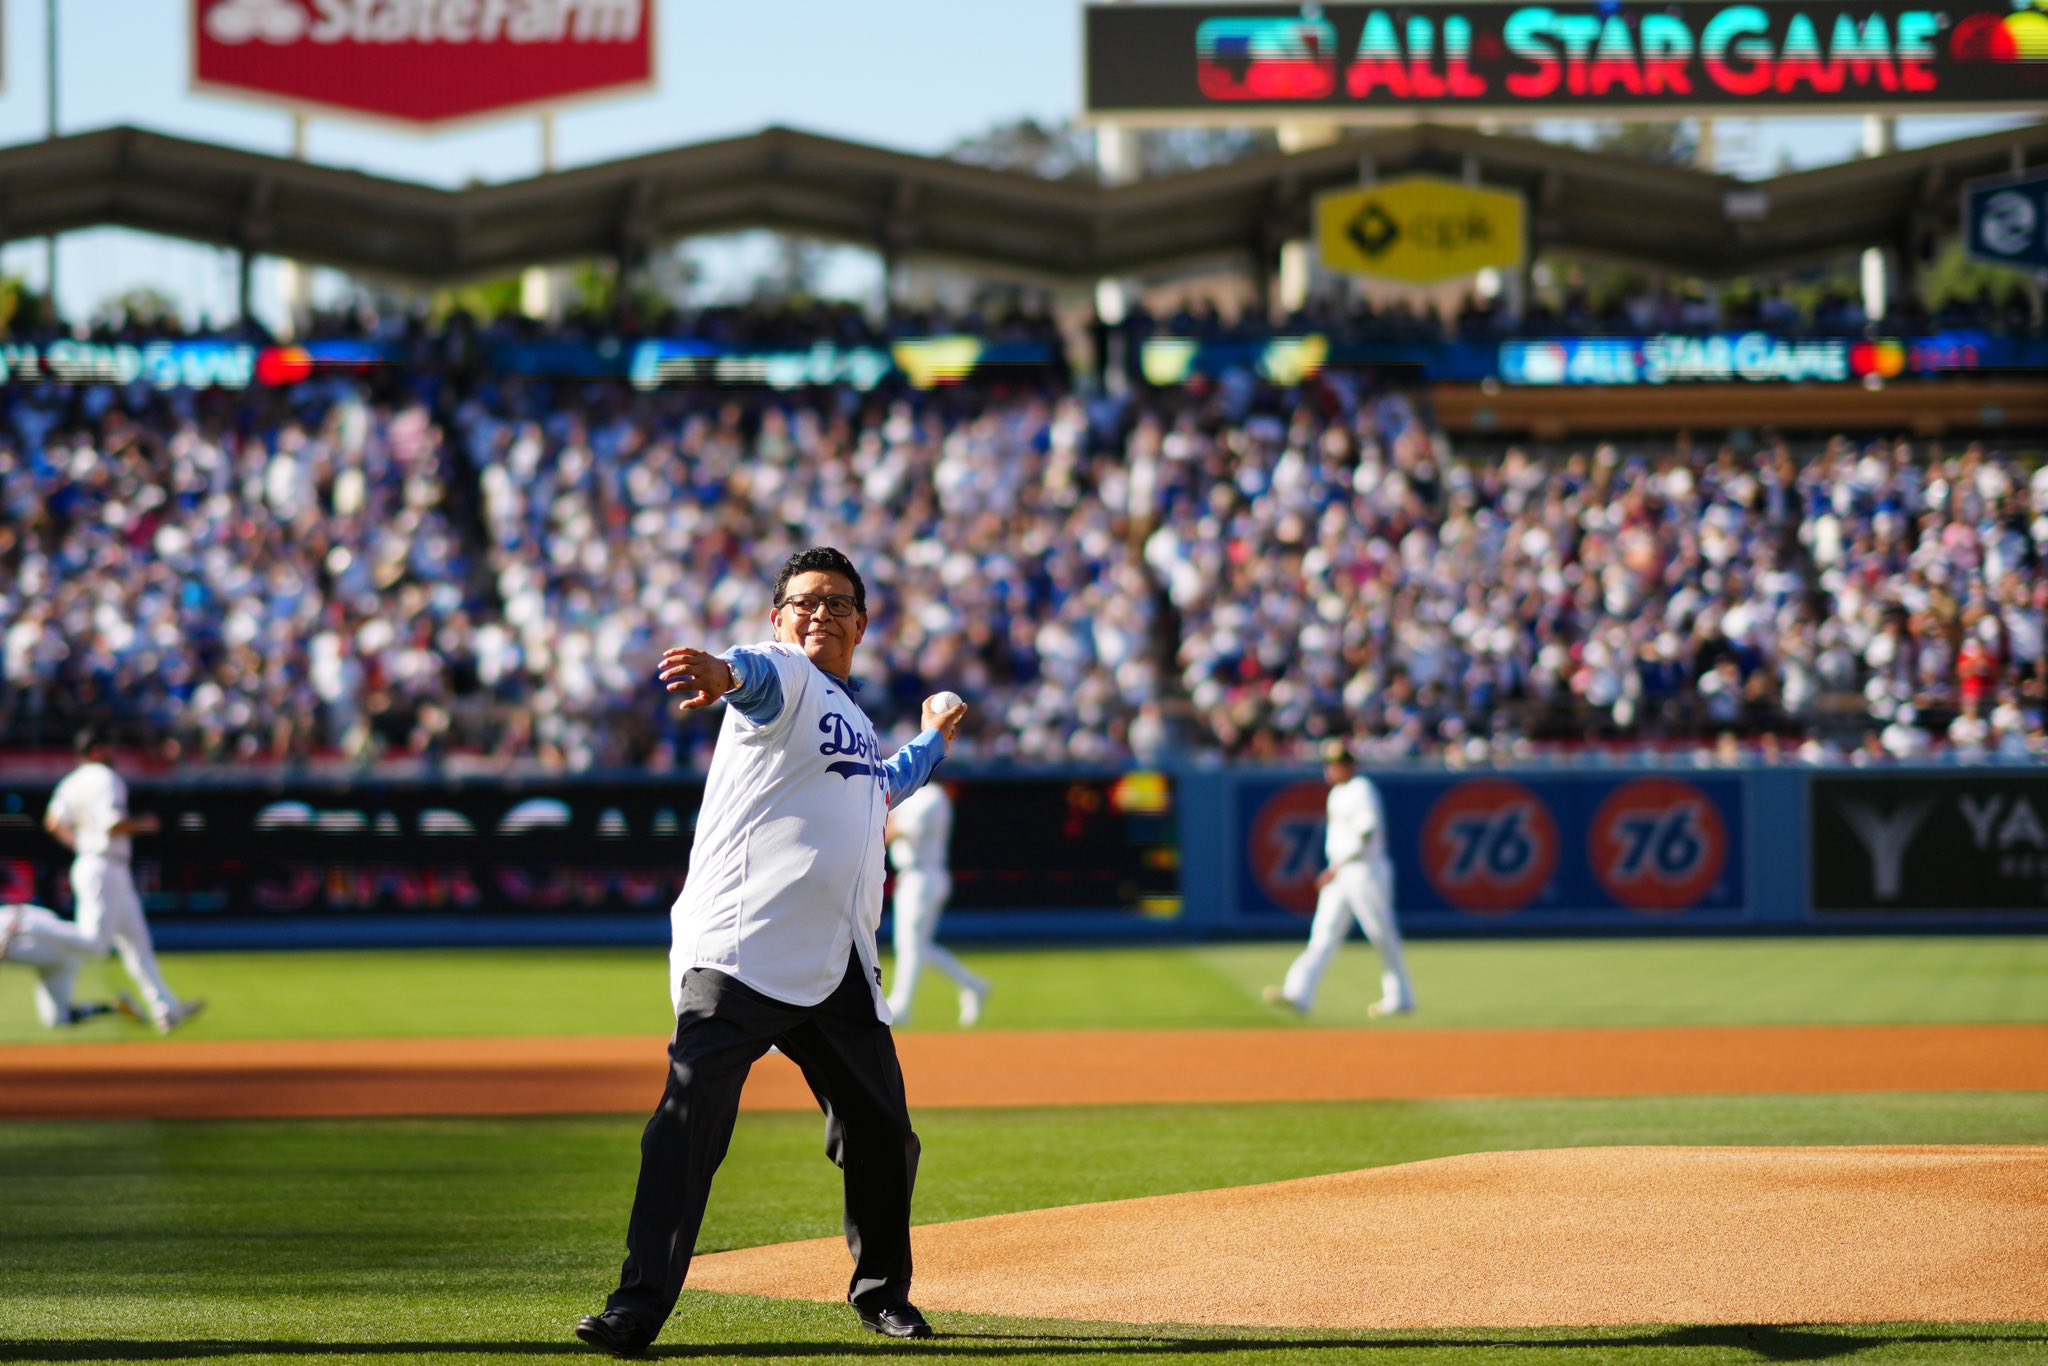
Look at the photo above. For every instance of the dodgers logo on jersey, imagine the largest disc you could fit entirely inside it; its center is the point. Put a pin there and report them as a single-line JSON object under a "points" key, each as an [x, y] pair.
{"points": [[843, 738], [1285, 846], [1489, 846], [1658, 844]]}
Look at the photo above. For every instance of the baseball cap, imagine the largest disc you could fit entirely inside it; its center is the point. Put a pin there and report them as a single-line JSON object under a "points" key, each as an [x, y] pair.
{"points": [[1336, 752]]}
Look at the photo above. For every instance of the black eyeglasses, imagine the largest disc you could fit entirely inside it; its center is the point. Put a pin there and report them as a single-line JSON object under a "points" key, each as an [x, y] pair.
{"points": [[809, 604]]}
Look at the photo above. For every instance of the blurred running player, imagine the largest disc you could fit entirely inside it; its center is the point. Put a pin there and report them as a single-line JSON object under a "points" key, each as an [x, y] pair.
{"points": [[88, 814], [920, 828], [55, 950]]}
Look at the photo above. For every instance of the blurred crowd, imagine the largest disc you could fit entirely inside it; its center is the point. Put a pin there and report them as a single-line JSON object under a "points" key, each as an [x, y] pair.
{"points": [[1563, 309], [225, 577], [439, 567], [1573, 312], [1341, 576]]}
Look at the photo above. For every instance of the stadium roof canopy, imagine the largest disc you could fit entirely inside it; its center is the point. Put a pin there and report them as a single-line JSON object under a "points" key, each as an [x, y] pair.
{"points": [[1664, 218]]}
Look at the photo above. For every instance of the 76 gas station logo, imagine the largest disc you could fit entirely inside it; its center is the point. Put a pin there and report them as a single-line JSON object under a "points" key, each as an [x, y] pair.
{"points": [[1658, 844], [1286, 845], [1489, 845]]}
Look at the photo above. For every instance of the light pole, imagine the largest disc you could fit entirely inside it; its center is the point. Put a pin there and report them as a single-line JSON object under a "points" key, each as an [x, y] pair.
{"points": [[50, 132]]}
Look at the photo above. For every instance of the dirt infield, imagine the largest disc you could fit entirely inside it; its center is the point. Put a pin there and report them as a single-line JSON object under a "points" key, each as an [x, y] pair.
{"points": [[1575, 1237], [187, 1080]]}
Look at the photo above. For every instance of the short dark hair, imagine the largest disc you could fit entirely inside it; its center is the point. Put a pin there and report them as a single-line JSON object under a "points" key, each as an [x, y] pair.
{"points": [[89, 738], [822, 559]]}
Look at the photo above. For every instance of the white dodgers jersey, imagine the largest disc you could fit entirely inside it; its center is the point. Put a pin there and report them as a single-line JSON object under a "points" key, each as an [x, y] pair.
{"points": [[92, 800], [1355, 831], [786, 872]]}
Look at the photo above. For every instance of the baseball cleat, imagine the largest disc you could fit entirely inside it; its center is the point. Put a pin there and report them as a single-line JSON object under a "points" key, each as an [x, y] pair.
{"points": [[128, 1006], [181, 1015], [972, 999], [1274, 996]]}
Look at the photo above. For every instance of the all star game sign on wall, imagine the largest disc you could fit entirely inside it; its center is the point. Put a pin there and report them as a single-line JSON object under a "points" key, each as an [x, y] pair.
{"points": [[1355, 63]]}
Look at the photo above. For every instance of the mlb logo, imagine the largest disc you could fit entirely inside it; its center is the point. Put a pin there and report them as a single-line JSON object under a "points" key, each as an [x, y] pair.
{"points": [[1266, 59]]}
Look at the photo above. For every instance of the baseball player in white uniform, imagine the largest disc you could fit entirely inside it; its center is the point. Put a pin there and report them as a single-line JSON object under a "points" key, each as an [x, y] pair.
{"points": [[774, 947], [88, 814], [1357, 884], [920, 828], [36, 938]]}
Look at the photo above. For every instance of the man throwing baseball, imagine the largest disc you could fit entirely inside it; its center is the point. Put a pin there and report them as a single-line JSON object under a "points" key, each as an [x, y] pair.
{"points": [[774, 946]]}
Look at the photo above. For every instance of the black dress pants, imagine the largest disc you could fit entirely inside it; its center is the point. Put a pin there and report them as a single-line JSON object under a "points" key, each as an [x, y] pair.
{"points": [[848, 1057]]}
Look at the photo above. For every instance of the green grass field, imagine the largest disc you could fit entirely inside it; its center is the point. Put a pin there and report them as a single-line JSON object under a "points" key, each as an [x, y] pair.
{"points": [[481, 1240], [1462, 985]]}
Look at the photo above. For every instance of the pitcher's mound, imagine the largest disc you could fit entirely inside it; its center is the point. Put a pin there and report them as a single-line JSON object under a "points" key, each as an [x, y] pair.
{"points": [[1571, 1237]]}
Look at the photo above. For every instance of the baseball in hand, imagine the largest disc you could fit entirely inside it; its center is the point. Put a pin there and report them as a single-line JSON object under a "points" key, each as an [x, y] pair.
{"points": [[944, 701]]}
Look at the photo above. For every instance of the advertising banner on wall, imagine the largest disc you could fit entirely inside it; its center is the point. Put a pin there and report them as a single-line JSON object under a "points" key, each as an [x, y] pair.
{"points": [[2005, 219], [1494, 853], [1951, 844], [424, 63], [378, 855], [1618, 362], [1420, 229], [1715, 358], [1357, 63]]}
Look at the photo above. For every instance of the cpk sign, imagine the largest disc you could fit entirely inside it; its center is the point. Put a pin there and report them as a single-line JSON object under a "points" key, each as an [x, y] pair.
{"points": [[422, 62]]}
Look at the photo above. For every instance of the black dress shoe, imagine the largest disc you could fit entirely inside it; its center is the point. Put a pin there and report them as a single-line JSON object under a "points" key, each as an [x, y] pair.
{"points": [[613, 1332], [897, 1321]]}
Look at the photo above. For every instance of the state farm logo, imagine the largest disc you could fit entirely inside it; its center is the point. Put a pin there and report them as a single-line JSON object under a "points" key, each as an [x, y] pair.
{"points": [[423, 63], [238, 21], [235, 22]]}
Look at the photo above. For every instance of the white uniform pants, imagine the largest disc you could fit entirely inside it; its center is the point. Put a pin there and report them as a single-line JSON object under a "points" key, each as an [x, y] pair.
{"points": [[920, 897], [1365, 893], [110, 914], [55, 950]]}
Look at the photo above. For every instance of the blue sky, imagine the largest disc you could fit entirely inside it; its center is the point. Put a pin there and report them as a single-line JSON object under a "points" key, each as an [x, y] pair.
{"points": [[910, 74]]}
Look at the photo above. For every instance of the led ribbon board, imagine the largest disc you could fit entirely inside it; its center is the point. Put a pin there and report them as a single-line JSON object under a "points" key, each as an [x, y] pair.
{"points": [[207, 364], [1360, 62]]}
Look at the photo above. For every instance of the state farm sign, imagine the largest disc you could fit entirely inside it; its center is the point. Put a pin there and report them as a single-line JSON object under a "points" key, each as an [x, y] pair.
{"points": [[421, 62]]}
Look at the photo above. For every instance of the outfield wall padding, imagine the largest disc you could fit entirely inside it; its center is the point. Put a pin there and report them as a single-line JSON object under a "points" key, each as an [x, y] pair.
{"points": [[1186, 853]]}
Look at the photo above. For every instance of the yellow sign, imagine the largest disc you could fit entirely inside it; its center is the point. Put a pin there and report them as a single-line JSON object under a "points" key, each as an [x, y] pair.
{"points": [[1420, 229]]}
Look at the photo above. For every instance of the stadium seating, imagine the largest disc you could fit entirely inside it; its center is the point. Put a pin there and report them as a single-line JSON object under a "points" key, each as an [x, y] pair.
{"points": [[430, 566]]}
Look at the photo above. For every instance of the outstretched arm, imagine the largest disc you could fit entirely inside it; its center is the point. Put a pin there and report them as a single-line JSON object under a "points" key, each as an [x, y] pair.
{"points": [[741, 676]]}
